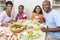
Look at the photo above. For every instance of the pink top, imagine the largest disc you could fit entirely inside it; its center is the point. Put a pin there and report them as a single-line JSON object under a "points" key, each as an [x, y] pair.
{"points": [[21, 15]]}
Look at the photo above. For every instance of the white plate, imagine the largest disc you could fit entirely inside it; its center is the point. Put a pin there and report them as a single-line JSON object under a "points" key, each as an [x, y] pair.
{"points": [[25, 35]]}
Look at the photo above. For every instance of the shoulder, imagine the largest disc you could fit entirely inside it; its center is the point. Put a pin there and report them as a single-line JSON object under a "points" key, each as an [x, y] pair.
{"points": [[3, 13], [55, 13]]}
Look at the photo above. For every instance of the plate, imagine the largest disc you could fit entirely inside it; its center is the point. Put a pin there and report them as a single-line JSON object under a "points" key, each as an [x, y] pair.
{"points": [[30, 36]]}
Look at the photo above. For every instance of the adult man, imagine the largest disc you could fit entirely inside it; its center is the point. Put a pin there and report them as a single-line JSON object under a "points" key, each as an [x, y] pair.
{"points": [[52, 18]]}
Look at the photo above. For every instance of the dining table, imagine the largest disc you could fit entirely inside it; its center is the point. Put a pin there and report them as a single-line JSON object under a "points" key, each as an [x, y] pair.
{"points": [[6, 31]]}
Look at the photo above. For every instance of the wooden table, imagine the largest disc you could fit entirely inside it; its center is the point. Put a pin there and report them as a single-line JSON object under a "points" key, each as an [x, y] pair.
{"points": [[7, 31]]}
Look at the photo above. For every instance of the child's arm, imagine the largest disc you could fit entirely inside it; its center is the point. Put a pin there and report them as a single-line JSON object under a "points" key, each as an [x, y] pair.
{"points": [[25, 17]]}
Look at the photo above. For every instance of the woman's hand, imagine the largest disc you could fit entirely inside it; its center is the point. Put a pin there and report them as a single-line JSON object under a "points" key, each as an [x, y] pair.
{"points": [[5, 25], [11, 21]]}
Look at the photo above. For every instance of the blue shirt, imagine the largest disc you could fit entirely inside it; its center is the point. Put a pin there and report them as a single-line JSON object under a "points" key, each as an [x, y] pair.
{"points": [[53, 21]]}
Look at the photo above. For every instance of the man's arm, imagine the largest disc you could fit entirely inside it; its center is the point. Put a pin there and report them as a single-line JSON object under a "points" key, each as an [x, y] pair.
{"points": [[51, 29], [57, 23]]}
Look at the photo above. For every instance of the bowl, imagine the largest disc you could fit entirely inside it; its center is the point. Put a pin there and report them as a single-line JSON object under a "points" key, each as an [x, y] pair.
{"points": [[16, 28]]}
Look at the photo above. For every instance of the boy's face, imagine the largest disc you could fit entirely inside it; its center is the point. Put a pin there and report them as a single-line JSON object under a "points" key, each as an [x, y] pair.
{"points": [[21, 9], [9, 7]]}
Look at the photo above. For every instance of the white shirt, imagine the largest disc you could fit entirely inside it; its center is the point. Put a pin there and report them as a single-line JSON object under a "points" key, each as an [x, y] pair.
{"points": [[4, 18]]}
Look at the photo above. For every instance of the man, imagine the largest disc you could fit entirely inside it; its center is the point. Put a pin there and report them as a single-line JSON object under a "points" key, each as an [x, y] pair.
{"points": [[6, 16], [52, 18]]}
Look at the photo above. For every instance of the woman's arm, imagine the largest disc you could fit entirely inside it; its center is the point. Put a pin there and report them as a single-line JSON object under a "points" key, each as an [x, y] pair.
{"points": [[2, 17]]}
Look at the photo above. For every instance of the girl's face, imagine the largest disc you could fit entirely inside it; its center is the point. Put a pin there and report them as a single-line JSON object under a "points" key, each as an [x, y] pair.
{"points": [[37, 9], [21, 9]]}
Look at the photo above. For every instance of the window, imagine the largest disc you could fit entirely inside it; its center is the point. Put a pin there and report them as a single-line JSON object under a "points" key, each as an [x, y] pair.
{"points": [[56, 3], [2, 2]]}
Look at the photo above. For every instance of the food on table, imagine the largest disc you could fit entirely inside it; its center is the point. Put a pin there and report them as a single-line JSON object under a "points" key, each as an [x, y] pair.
{"points": [[34, 22], [1, 31], [16, 28], [37, 28], [29, 27], [29, 34], [13, 36]]}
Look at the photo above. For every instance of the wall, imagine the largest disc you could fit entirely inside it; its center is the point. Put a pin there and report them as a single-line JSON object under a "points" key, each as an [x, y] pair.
{"points": [[28, 4]]}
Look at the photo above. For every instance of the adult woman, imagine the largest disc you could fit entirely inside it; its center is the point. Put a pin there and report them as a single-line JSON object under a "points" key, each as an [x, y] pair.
{"points": [[6, 16]]}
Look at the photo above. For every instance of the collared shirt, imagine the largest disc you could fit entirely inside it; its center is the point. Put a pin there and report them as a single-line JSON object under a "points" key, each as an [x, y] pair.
{"points": [[53, 20]]}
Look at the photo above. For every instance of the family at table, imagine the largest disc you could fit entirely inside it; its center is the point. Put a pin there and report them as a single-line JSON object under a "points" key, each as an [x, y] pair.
{"points": [[50, 16]]}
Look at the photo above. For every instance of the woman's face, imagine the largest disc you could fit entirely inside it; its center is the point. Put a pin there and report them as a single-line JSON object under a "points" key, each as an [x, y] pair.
{"points": [[37, 9], [9, 8], [21, 9]]}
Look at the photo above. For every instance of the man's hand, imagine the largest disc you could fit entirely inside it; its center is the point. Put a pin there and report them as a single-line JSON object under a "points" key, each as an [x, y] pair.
{"points": [[44, 29], [57, 29]]}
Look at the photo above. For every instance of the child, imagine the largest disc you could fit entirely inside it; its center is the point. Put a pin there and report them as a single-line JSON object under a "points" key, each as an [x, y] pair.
{"points": [[37, 14], [21, 15]]}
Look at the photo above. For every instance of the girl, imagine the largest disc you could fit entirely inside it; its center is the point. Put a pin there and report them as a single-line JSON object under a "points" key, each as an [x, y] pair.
{"points": [[21, 15], [37, 14]]}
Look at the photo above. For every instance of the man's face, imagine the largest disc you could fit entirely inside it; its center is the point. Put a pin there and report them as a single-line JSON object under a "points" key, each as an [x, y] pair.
{"points": [[9, 8], [46, 6]]}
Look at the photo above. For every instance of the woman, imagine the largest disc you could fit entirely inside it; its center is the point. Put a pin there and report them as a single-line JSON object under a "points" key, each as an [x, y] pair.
{"points": [[21, 14], [37, 14], [6, 16]]}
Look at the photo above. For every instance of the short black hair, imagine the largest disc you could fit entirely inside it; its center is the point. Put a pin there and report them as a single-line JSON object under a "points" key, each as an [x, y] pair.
{"points": [[47, 1], [21, 6], [39, 8], [9, 2]]}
